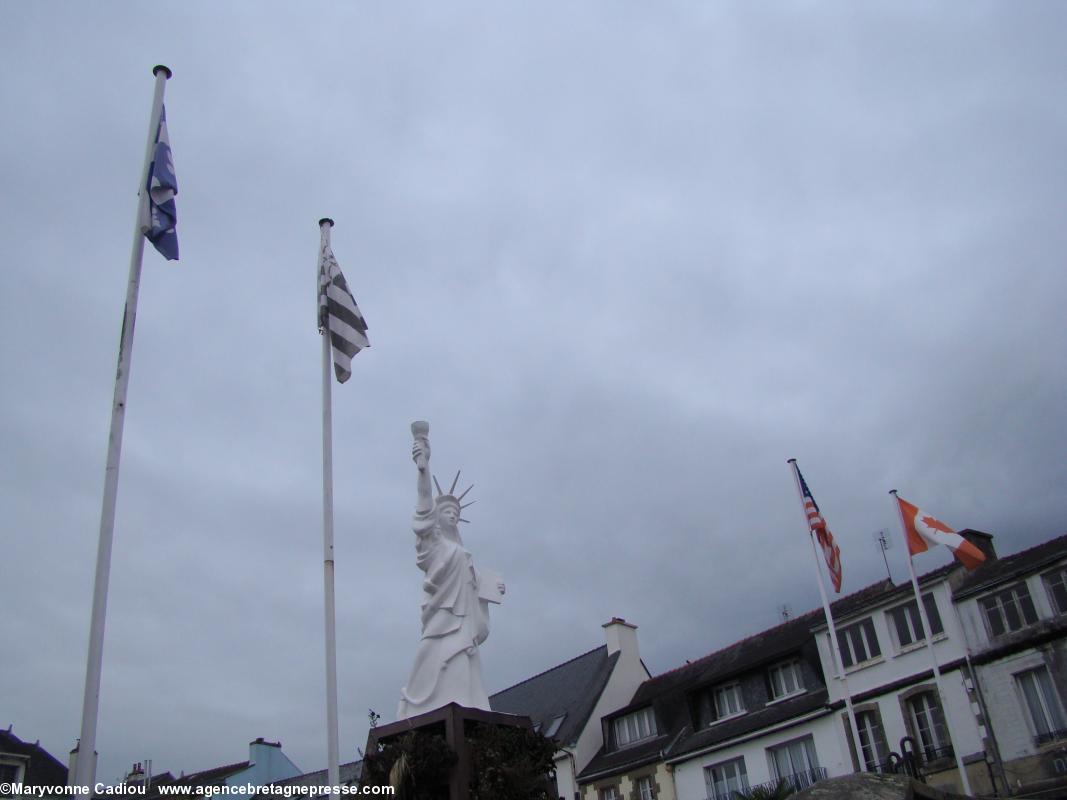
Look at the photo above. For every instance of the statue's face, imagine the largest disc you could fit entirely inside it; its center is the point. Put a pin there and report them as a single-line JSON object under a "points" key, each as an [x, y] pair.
{"points": [[450, 514]]}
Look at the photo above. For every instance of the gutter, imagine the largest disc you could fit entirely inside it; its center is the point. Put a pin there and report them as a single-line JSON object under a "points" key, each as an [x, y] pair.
{"points": [[654, 756], [660, 755], [998, 763], [711, 748]]}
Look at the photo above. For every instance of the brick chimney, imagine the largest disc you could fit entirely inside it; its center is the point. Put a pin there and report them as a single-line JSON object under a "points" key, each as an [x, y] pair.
{"points": [[136, 776]]}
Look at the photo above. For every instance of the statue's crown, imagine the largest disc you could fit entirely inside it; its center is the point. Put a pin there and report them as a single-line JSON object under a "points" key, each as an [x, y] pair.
{"points": [[448, 498]]}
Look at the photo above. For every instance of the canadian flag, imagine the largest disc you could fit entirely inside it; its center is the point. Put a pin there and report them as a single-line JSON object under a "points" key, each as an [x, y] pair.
{"points": [[925, 532]]}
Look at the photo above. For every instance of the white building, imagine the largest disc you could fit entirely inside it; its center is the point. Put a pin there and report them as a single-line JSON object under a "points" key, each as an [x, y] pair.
{"points": [[1013, 613], [889, 673], [748, 714], [762, 710], [566, 702]]}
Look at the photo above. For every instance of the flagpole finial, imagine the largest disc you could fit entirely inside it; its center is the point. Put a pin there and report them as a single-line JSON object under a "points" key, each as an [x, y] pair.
{"points": [[161, 68], [325, 221]]}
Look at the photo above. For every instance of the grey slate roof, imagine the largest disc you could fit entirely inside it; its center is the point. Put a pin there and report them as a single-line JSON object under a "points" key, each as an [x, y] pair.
{"points": [[1016, 565], [347, 774], [794, 707], [670, 694], [570, 690], [42, 768]]}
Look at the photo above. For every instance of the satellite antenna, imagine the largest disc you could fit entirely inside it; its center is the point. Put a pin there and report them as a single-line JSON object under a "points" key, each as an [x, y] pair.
{"points": [[883, 542]]}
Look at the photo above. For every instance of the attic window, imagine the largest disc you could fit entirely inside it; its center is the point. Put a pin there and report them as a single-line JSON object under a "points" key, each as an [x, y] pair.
{"points": [[553, 726], [10, 773], [635, 727], [786, 679], [721, 702], [728, 700]]}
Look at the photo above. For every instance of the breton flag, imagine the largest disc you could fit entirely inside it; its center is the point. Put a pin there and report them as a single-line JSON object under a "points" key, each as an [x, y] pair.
{"points": [[924, 532], [831, 552], [339, 314], [162, 186]]}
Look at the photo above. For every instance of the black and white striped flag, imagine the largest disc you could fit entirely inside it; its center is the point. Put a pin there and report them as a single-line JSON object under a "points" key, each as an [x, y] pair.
{"points": [[339, 314]]}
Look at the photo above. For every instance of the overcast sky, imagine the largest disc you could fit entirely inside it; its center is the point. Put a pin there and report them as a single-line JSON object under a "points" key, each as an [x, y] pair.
{"points": [[626, 258]]}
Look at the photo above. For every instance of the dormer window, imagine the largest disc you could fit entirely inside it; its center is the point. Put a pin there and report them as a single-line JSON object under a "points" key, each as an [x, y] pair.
{"points": [[634, 727], [728, 701], [786, 679], [717, 703], [12, 769]]}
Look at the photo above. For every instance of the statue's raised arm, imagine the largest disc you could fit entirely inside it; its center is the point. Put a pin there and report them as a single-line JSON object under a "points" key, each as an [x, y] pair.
{"points": [[420, 454]]}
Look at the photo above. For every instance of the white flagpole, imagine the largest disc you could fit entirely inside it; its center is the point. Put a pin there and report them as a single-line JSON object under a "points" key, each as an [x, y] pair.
{"points": [[85, 767], [333, 758], [928, 631], [835, 648]]}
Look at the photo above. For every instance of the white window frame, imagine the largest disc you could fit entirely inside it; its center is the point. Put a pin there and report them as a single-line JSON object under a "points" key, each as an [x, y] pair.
{"points": [[940, 734], [865, 628], [811, 760], [729, 692], [785, 669], [997, 600], [866, 720], [740, 777], [634, 727], [1056, 577], [20, 771], [1049, 705], [646, 788], [913, 622], [609, 793]]}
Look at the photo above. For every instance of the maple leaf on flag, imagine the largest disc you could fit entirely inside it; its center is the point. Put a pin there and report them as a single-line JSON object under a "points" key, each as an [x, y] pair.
{"points": [[936, 524]]}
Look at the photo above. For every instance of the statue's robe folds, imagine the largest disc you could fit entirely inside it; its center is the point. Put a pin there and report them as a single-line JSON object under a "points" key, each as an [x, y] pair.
{"points": [[448, 668]]}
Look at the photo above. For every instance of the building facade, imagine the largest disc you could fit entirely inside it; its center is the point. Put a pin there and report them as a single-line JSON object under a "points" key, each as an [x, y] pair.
{"points": [[1014, 617], [772, 707]]}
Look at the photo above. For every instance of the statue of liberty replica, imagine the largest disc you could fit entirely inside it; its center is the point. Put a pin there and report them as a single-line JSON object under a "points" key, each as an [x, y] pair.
{"points": [[446, 741], [455, 599]]}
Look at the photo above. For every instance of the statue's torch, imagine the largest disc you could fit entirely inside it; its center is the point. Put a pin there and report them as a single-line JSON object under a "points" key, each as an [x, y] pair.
{"points": [[420, 432]]}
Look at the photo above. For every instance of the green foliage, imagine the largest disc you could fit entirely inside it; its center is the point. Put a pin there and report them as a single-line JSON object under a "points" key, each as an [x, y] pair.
{"points": [[509, 763], [779, 792], [418, 762]]}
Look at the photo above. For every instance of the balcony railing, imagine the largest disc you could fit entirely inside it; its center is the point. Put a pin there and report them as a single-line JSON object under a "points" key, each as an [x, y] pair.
{"points": [[936, 753], [1051, 736], [798, 780]]}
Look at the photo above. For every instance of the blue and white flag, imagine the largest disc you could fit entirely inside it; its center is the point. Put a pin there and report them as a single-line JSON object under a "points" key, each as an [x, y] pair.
{"points": [[162, 187]]}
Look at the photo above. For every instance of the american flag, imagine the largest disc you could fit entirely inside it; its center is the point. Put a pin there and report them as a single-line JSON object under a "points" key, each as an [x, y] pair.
{"points": [[339, 315], [831, 552]]}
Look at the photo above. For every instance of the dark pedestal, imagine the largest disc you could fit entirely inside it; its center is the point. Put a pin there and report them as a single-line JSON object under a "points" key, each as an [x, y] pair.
{"points": [[452, 720]]}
